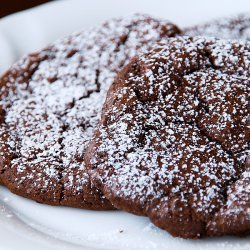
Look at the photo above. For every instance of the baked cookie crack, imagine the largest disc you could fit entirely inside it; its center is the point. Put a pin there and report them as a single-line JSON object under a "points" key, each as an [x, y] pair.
{"points": [[172, 130], [53, 103]]}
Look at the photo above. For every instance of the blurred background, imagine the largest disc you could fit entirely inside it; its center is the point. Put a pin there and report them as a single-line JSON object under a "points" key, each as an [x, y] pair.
{"points": [[31, 30], [11, 6]]}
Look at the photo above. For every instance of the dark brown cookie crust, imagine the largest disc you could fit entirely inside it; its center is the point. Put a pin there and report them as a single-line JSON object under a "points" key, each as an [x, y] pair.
{"points": [[174, 136], [50, 104], [234, 27]]}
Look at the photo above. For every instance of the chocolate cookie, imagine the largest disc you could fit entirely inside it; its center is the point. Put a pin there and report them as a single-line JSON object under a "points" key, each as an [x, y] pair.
{"points": [[174, 136], [50, 104], [235, 27]]}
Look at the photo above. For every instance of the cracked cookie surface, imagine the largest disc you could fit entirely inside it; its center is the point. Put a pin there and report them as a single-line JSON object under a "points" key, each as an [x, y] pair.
{"points": [[173, 139], [51, 102]]}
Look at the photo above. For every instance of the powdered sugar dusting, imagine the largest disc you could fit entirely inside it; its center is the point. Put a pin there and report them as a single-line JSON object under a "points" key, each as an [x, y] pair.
{"points": [[172, 130], [234, 27], [52, 100]]}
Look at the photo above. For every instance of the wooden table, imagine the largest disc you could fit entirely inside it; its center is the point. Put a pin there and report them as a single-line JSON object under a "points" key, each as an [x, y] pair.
{"points": [[10, 6]]}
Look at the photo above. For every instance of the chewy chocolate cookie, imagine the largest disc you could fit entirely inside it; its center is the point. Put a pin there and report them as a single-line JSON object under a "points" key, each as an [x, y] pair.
{"points": [[50, 104], [235, 27], [174, 136]]}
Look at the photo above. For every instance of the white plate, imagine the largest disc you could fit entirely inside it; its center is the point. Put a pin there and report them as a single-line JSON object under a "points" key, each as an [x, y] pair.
{"points": [[27, 225]]}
